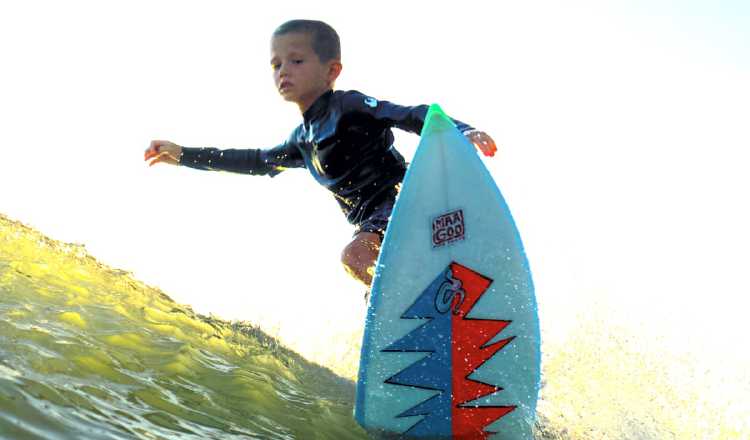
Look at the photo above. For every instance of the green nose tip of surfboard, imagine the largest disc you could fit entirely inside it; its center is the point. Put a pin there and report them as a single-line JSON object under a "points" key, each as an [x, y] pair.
{"points": [[436, 120]]}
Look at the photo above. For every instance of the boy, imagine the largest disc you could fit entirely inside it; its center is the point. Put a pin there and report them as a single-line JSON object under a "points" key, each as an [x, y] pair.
{"points": [[345, 140]]}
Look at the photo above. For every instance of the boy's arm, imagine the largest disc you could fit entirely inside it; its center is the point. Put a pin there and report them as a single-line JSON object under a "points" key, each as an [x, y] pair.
{"points": [[404, 117], [411, 118], [247, 161]]}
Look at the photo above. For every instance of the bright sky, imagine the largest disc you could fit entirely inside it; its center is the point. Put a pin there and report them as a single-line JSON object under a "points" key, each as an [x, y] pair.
{"points": [[623, 133]]}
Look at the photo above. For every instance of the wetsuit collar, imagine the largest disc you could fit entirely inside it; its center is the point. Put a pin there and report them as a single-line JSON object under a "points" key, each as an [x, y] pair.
{"points": [[318, 106]]}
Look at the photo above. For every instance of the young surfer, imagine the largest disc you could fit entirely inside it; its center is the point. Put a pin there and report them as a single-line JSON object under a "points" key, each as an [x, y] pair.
{"points": [[345, 139]]}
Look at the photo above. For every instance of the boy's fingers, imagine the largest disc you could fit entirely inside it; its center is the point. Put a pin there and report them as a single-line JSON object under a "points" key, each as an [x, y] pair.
{"points": [[490, 145], [487, 144], [159, 159], [150, 153], [154, 148], [164, 157], [155, 158]]}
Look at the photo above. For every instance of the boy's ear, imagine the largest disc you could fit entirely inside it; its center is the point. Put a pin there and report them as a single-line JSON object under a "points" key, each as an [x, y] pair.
{"points": [[334, 70]]}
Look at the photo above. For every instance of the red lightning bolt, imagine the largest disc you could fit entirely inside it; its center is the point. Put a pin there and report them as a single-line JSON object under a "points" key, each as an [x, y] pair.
{"points": [[469, 353]]}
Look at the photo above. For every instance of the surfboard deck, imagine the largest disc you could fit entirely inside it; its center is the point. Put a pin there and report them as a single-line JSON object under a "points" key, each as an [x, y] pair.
{"points": [[451, 347]]}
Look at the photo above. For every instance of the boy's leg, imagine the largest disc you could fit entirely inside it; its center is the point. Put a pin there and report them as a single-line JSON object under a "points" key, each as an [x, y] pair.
{"points": [[360, 255]]}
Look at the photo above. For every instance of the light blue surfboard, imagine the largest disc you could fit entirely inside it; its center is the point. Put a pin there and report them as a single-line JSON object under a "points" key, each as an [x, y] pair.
{"points": [[451, 347]]}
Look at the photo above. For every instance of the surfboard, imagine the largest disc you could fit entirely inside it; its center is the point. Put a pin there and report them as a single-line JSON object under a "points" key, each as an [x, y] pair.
{"points": [[451, 346]]}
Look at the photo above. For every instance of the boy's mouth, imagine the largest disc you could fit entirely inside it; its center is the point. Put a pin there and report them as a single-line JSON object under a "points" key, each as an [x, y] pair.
{"points": [[284, 85]]}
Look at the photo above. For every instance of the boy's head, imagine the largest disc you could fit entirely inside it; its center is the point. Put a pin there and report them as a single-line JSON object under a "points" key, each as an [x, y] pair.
{"points": [[323, 38], [306, 60]]}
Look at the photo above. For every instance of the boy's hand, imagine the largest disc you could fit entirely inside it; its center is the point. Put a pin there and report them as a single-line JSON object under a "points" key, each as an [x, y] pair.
{"points": [[483, 141], [163, 151]]}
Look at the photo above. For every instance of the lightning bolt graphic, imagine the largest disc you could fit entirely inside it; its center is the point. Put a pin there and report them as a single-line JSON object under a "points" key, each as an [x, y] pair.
{"points": [[456, 346]]}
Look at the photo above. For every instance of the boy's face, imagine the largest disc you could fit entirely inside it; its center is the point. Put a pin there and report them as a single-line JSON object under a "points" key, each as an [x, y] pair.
{"points": [[298, 73]]}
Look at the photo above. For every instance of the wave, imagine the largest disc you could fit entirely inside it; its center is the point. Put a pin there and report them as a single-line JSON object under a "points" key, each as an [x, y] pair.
{"points": [[89, 352]]}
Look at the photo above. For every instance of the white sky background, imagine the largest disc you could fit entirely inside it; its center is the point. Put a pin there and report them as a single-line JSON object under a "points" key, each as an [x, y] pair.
{"points": [[623, 133]]}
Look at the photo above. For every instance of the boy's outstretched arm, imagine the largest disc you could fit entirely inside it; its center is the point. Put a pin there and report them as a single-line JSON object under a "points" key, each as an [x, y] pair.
{"points": [[245, 161], [411, 118]]}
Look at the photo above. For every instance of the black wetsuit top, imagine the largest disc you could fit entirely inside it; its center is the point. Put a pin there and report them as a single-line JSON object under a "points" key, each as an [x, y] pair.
{"points": [[345, 142]]}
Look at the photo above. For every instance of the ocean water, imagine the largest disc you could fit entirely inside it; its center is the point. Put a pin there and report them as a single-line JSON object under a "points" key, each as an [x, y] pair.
{"points": [[89, 352]]}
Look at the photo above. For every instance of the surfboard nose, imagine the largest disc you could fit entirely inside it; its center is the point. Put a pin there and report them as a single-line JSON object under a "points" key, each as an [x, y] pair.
{"points": [[436, 121]]}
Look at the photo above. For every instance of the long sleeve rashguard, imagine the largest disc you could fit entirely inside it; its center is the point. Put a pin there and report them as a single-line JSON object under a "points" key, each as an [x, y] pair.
{"points": [[345, 142]]}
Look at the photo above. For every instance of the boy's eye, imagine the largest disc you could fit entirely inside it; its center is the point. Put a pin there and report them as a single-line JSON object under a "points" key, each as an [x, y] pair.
{"points": [[277, 66]]}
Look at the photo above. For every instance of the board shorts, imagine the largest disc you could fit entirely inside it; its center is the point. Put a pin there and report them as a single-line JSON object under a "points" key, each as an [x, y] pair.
{"points": [[378, 219]]}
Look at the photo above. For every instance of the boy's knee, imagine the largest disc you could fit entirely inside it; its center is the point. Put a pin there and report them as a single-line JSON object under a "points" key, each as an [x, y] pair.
{"points": [[352, 255], [346, 255], [362, 251], [359, 256]]}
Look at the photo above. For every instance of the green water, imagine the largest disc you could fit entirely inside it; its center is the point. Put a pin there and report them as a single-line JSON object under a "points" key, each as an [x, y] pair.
{"points": [[89, 352]]}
